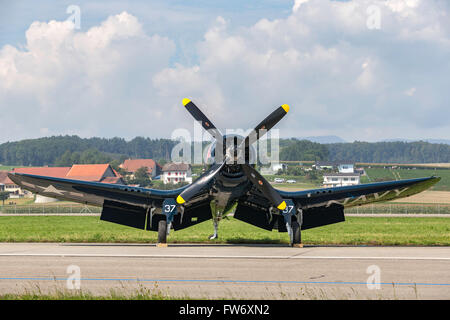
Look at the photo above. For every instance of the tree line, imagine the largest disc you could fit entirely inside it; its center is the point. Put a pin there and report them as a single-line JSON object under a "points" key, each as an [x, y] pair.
{"points": [[68, 150], [390, 152]]}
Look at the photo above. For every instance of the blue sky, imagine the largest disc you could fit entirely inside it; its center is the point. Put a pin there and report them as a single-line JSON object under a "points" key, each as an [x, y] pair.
{"points": [[125, 71]]}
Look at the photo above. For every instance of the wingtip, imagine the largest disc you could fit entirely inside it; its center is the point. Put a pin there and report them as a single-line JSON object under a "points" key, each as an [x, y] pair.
{"points": [[285, 107], [186, 101], [435, 178]]}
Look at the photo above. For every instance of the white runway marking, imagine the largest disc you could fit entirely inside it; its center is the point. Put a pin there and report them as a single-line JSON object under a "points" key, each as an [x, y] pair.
{"points": [[161, 256]]}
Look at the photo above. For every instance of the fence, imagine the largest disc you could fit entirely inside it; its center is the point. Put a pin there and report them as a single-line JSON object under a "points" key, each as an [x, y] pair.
{"points": [[385, 208], [397, 208], [48, 209]]}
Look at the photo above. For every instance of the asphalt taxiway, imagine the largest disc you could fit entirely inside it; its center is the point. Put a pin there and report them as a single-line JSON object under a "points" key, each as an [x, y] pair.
{"points": [[230, 271]]}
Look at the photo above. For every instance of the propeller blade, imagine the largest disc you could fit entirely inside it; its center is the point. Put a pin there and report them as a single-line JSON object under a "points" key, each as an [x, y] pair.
{"points": [[199, 184], [272, 119], [264, 186], [200, 116], [268, 123]]}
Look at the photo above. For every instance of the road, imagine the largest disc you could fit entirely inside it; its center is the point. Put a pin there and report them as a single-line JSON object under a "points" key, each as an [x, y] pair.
{"points": [[230, 271]]}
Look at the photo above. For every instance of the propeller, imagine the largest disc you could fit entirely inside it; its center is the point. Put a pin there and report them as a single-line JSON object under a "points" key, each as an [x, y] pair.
{"points": [[257, 179], [200, 116], [264, 186], [264, 126], [200, 183]]}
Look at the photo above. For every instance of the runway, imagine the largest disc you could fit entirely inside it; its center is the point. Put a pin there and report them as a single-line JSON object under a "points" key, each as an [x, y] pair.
{"points": [[230, 271]]}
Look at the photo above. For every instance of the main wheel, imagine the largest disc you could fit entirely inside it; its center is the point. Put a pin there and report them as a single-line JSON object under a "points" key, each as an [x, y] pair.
{"points": [[296, 233], [162, 231]]}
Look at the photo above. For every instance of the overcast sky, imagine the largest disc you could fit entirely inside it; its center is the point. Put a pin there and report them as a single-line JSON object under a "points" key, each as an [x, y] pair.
{"points": [[125, 71]]}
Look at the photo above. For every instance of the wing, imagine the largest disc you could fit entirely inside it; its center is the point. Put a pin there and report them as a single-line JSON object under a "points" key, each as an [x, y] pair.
{"points": [[350, 196], [319, 207], [132, 206]]}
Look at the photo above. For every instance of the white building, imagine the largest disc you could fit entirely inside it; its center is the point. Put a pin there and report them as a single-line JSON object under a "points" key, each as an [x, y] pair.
{"points": [[340, 179], [344, 167], [341, 166], [176, 172], [273, 169]]}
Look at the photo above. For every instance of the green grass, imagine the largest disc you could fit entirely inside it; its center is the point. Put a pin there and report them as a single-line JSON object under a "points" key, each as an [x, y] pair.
{"points": [[141, 293], [8, 168], [400, 208], [393, 174], [355, 231]]}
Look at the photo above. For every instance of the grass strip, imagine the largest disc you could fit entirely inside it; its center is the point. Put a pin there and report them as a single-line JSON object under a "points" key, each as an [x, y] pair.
{"points": [[390, 231]]}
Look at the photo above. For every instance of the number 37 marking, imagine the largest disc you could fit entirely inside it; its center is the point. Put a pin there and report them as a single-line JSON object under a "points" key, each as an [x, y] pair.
{"points": [[288, 209], [169, 207]]}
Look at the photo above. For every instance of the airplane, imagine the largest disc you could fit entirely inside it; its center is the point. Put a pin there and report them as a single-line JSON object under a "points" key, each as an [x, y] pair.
{"points": [[231, 182]]}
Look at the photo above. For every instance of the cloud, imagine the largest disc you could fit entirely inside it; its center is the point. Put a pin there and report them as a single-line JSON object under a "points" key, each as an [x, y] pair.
{"points": [[89, 83], [339, 77], [410, 92]]}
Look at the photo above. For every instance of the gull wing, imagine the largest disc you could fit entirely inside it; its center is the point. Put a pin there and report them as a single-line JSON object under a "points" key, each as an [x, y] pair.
{"points": [[323, 206], [136, 207], [350, 196]]}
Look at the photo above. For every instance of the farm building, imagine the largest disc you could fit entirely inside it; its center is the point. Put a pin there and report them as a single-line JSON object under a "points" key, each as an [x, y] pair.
{"points": [[132, 165], [176, 172]]}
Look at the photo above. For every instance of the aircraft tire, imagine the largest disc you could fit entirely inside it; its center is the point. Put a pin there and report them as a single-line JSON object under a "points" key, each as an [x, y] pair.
{"points": [[162, 231], [296, 233]]}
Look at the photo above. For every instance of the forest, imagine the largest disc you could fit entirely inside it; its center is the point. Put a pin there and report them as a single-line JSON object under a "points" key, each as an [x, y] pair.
{"points": [[68, 150]]}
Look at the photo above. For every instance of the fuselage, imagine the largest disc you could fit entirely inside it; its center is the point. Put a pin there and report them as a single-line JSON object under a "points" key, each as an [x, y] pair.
{"points": [[231, 182]]}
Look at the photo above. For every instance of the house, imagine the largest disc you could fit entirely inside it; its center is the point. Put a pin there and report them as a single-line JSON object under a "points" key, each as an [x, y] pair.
{"points": [[321, 165], [132, 165], [103, 173], [340, 179], [7, 185], [273, 169], [346, 167], [341, 166], [176, 172]]}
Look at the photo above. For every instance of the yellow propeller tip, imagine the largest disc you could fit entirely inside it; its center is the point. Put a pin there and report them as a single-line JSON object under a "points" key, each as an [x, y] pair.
{"points": [[180, 200], [186, 101], [285, 107], [282, 206]]}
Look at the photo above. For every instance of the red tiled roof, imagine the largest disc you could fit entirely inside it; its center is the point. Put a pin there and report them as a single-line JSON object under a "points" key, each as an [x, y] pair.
{"points": [[56, 172], [4, 179], [176, 167], [87, 172], [131, 165], [113, 180]]}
